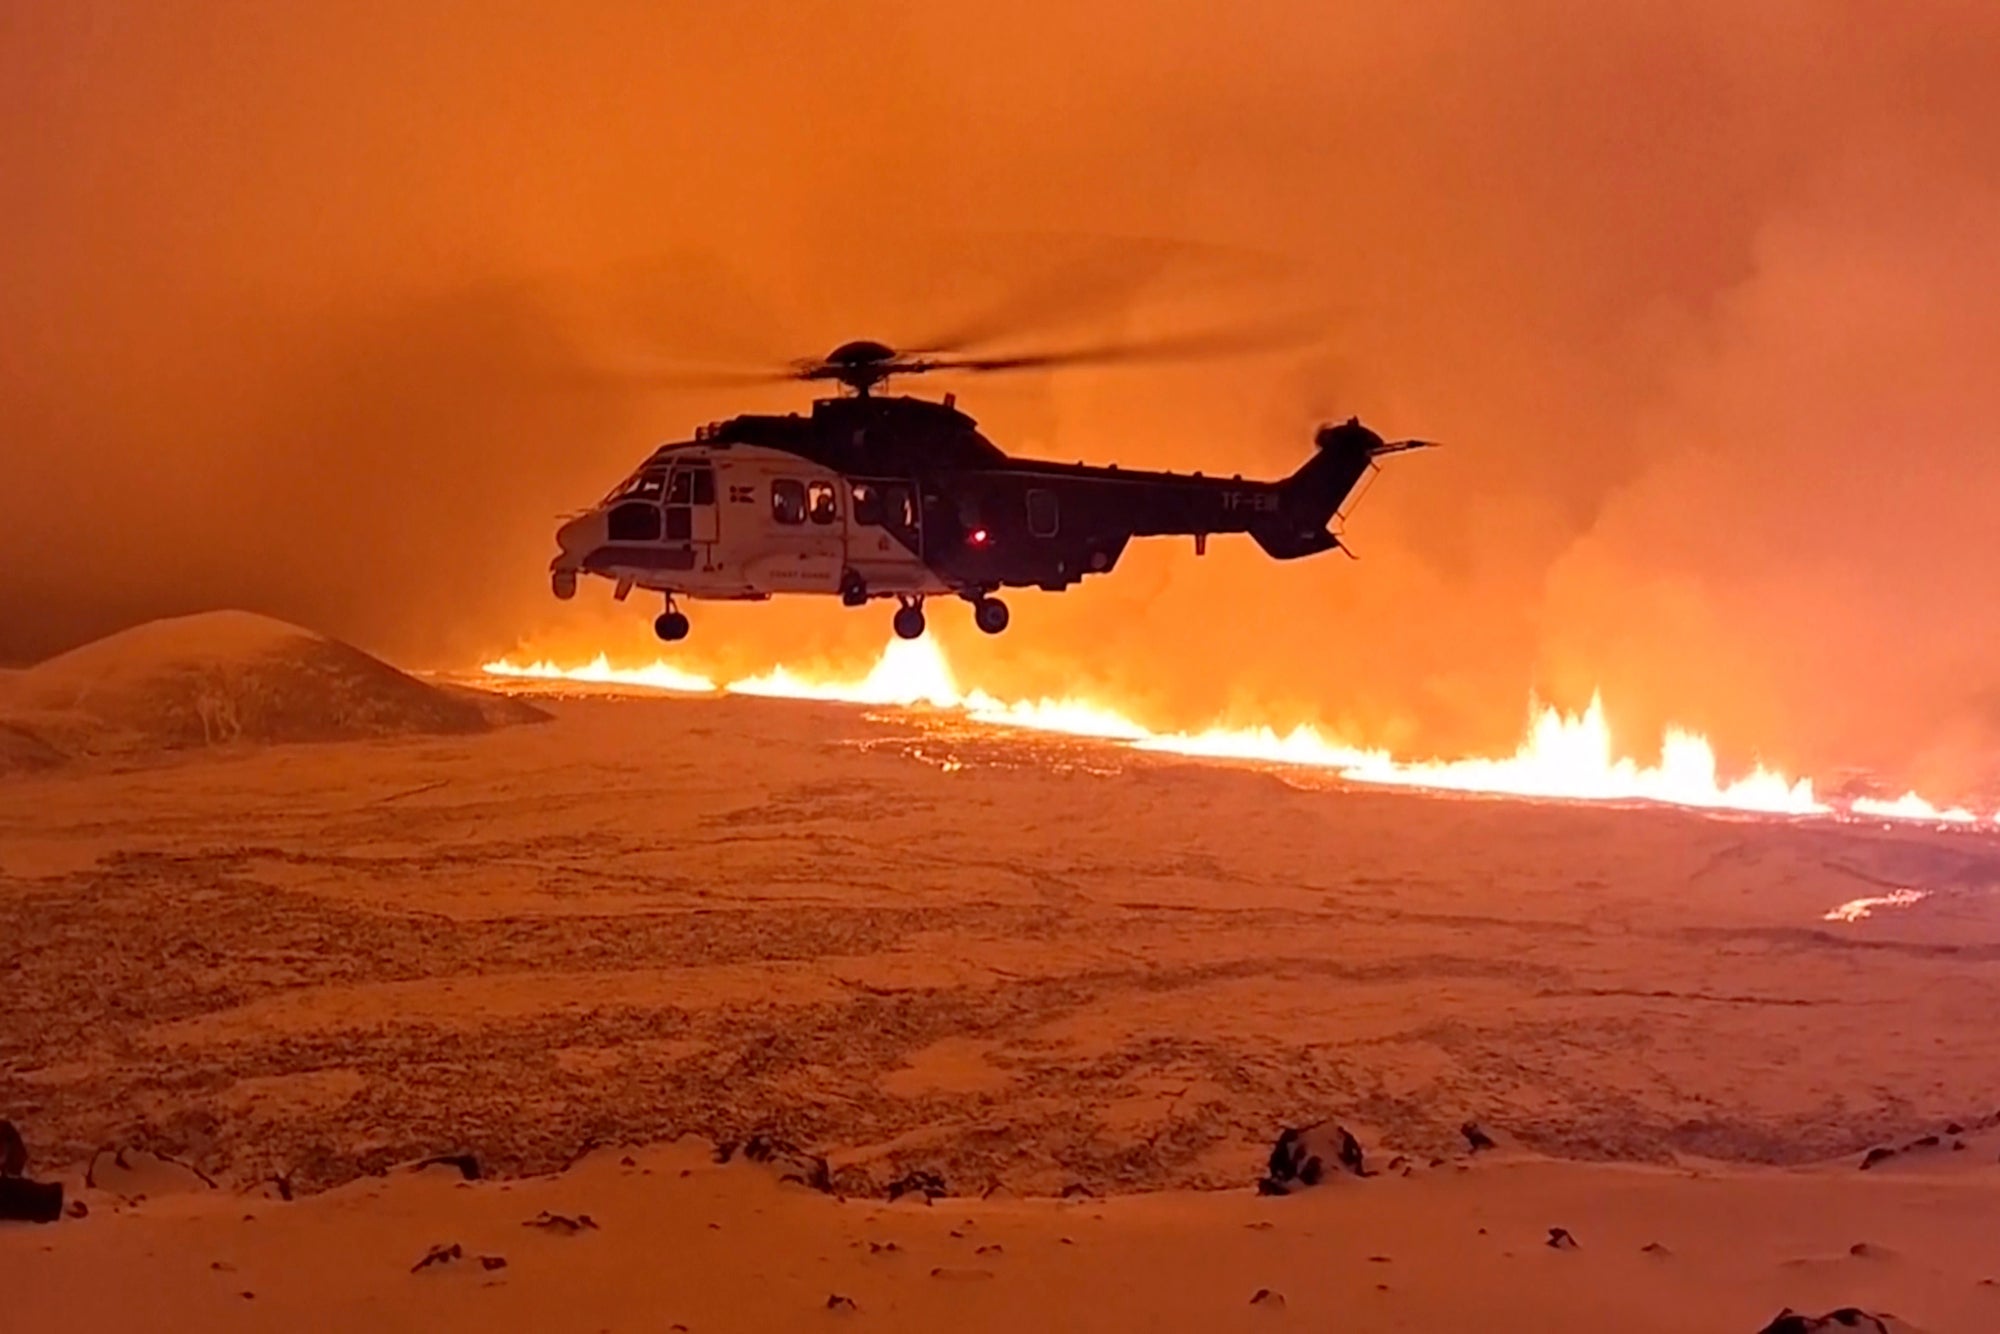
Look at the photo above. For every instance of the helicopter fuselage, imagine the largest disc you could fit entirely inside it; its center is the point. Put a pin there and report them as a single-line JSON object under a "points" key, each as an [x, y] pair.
{"points": [[898, 497]]}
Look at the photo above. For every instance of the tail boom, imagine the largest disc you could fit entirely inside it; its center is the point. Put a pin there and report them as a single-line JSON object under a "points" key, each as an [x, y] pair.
{"points": [[1309, 499]]}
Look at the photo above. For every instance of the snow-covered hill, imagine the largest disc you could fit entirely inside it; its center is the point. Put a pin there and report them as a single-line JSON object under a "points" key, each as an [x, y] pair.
{"points": [[217, 679]]}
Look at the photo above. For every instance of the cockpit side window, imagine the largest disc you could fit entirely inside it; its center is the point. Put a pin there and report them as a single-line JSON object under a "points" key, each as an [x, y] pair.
{"points": [[681, 487], [634, 521], [788, 500]]}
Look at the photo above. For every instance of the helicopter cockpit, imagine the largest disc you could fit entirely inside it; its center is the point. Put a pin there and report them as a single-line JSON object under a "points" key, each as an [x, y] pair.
{"points": [[649, 483]]}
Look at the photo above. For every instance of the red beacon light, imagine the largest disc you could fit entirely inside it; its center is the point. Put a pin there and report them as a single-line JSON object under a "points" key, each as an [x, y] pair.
{"points": [[977, 537]]}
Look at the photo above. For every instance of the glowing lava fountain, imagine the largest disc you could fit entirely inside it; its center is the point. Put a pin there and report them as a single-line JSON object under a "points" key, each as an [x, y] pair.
{"points": [[1563, 756]]}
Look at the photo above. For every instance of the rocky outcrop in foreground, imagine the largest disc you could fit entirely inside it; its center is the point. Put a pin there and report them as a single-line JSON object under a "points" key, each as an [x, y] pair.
{"points": [[23, 1200]]}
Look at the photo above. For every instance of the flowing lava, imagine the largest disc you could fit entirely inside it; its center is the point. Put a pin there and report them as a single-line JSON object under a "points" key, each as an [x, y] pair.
{"points": [[1563, 756], [1855, 910]]}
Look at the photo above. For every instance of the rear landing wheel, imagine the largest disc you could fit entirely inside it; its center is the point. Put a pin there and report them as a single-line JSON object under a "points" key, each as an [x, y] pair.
{"points": [[910, 621], [990, 615], [671, 626]]}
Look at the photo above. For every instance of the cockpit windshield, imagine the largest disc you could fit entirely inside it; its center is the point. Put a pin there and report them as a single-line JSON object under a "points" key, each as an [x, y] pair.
{"points": [[646, 484]]}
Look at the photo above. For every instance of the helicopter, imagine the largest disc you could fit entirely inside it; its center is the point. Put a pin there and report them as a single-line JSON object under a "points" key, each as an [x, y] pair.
{"points": [[876, 495]]}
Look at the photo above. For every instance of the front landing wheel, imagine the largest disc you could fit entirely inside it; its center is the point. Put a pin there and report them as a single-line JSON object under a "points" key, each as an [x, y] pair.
{"points": [[909, 621], [671, 626], [990, 615]]}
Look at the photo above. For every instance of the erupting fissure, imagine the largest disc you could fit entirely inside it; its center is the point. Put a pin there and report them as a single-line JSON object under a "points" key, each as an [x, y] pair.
{"points": [[1563, 756]]}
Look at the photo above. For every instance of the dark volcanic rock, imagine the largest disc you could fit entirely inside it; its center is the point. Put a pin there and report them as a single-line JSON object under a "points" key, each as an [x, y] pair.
{"points": [[13, 1151], [788, 1161], [562, 1223], [1847, 1318], [1561, 1240], [851, 1180], [22, 1200], [1876, 1155], [25, 1201], [467, 1165], [1305, 1157], [920, 1182], [439, 1255], [1475, 1138]]}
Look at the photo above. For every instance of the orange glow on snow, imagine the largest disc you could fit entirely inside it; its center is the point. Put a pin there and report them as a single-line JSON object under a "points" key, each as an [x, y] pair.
{"points": [[1562, 756]]}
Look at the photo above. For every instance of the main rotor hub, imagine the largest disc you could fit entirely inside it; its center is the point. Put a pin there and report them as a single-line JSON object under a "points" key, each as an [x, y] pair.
{"points": [[860, 365]]}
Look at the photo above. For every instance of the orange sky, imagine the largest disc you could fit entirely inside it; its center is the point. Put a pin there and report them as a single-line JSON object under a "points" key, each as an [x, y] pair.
{"points": [[1701, 295]]}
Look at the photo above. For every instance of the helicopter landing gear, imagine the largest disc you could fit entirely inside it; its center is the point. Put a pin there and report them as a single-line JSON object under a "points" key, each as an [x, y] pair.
{"points": [[563, 584], [853, 589], [990, 615], [909, 620], [670, 624]]}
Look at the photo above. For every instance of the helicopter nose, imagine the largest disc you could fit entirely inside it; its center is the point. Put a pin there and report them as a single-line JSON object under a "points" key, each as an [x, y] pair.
{"points": [[579, 536], [575, 540]]}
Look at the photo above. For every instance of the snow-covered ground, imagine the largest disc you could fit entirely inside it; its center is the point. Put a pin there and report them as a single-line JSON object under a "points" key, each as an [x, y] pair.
{"points": [[1012, 958], [1019, 961]]}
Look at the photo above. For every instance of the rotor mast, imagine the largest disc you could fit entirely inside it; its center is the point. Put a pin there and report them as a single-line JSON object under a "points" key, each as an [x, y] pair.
{"points": [[860, 365]]}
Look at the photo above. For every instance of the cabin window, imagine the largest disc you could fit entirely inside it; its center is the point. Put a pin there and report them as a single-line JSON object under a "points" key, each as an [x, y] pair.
{"points": [[788, 501], [634, 521], [704, 487], [867, 504], [680, 487], [890, 505], [820, 502], [1044, 516]]}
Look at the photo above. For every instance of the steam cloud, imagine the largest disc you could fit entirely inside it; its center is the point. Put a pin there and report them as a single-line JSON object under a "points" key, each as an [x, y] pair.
{"points": [[320, 314]]}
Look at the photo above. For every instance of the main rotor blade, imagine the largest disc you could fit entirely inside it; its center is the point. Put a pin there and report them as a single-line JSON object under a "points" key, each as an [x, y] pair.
{"points": [[654, 374], [1082, 288], [1182, 347]]}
